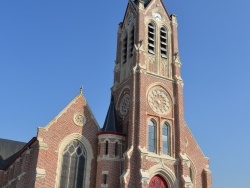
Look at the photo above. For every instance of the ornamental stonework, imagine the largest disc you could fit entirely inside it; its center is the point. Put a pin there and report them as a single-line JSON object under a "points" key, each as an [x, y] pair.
{"points": [[159, 101], [152, 67], [79, 119], [124, 105]]}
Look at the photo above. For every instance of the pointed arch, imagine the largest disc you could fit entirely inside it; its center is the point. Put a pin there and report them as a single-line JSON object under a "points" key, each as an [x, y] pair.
{"points": [[166, 141], [73, 165], [74, 152], [131, 41], [164, 42], [152, 135], [151, 37], [165, 173], [158, 182]]}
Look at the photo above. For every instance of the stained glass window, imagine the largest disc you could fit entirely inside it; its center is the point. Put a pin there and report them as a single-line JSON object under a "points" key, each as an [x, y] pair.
{"points": [[73, 166], [151, 136], [165, 139]]}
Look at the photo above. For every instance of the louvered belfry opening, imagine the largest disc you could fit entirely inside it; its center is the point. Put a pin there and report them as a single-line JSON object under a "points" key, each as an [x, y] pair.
{"points": [[131, 42], [124, 49], [163, 38], [151, 38]]}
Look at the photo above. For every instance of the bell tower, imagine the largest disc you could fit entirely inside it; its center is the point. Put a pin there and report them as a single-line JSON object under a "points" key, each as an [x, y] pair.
{"points": [[147, 98]]}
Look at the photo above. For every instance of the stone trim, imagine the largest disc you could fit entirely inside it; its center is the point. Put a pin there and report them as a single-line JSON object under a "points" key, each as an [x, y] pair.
{"points": [[104, 185], [40, 173], [128, 153], [107, 137], [187, 161], [187, 182], [43, 145], [174, 20], [165, 172], [144, 176], [105, 172], [107, 158], [123, 177], [21, 175], [84, 141]]}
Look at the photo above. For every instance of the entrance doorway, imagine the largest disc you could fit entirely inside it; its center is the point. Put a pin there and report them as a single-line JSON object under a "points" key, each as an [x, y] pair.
{"points": [[158, 182]]}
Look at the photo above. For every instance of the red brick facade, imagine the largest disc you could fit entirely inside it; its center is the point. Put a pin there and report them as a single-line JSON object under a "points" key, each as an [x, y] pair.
{"points": [[147, 87]]}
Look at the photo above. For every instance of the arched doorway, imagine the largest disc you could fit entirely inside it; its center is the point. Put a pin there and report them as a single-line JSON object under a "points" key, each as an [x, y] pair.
{"points": [[157, 182]]}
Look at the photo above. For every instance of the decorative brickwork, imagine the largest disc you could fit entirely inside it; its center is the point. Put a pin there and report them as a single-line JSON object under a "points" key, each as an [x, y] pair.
{"points": [[127, 152]]}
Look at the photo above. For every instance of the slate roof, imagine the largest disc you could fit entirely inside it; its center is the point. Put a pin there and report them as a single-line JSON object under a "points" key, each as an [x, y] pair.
{"points": [[111, 124], [9, 150]]}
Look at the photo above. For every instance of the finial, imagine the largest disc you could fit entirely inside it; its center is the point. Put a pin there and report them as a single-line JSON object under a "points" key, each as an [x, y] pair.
{"points": [[81, 88]]}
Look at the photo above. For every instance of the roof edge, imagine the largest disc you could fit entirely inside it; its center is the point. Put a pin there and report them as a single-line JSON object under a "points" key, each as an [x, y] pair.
{"points": [[47, 126], [33, 140]]}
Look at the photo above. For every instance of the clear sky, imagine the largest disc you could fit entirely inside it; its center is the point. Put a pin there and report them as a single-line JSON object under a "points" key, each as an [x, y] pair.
{"points": [[49, 48]]}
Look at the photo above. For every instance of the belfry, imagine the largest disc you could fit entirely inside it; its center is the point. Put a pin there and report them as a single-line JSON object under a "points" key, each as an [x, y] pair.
{"points": [[144, 141]]}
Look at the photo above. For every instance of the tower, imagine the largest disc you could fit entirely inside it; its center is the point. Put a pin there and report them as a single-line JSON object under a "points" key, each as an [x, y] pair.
{"points": [[144, 142], [147, 105]]}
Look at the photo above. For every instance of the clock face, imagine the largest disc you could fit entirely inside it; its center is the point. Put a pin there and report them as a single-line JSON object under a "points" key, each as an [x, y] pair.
{"points": [[157, 16], [124, 105], [159, 101]]}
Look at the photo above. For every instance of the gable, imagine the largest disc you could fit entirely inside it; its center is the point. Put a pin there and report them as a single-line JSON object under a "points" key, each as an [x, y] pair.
{"points": [[75, 122], [77, 106]]}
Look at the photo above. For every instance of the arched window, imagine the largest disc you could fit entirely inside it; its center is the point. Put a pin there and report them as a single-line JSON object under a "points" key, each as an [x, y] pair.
{"points": [[151, 38], [73, 166], [106, 148], [116, 149], [131, 42], [165, 139], [164, 42], [151, 136]]}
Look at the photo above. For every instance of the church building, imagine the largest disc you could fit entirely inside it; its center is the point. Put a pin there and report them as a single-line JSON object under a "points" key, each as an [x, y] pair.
{"points": [[144, 141]]}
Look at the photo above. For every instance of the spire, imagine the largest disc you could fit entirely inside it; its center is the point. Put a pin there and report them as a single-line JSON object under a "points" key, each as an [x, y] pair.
{"points": [[110, 124]]}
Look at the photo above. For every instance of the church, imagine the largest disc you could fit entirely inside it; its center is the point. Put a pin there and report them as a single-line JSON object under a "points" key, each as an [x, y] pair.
{"points": [[144, 141]]}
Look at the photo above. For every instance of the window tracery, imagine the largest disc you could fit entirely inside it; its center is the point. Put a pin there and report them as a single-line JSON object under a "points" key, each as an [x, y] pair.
{"points": [[73, 165]]}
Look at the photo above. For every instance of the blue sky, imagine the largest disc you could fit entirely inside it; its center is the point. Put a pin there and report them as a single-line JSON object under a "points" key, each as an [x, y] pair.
{"points": [[48, 49]]}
